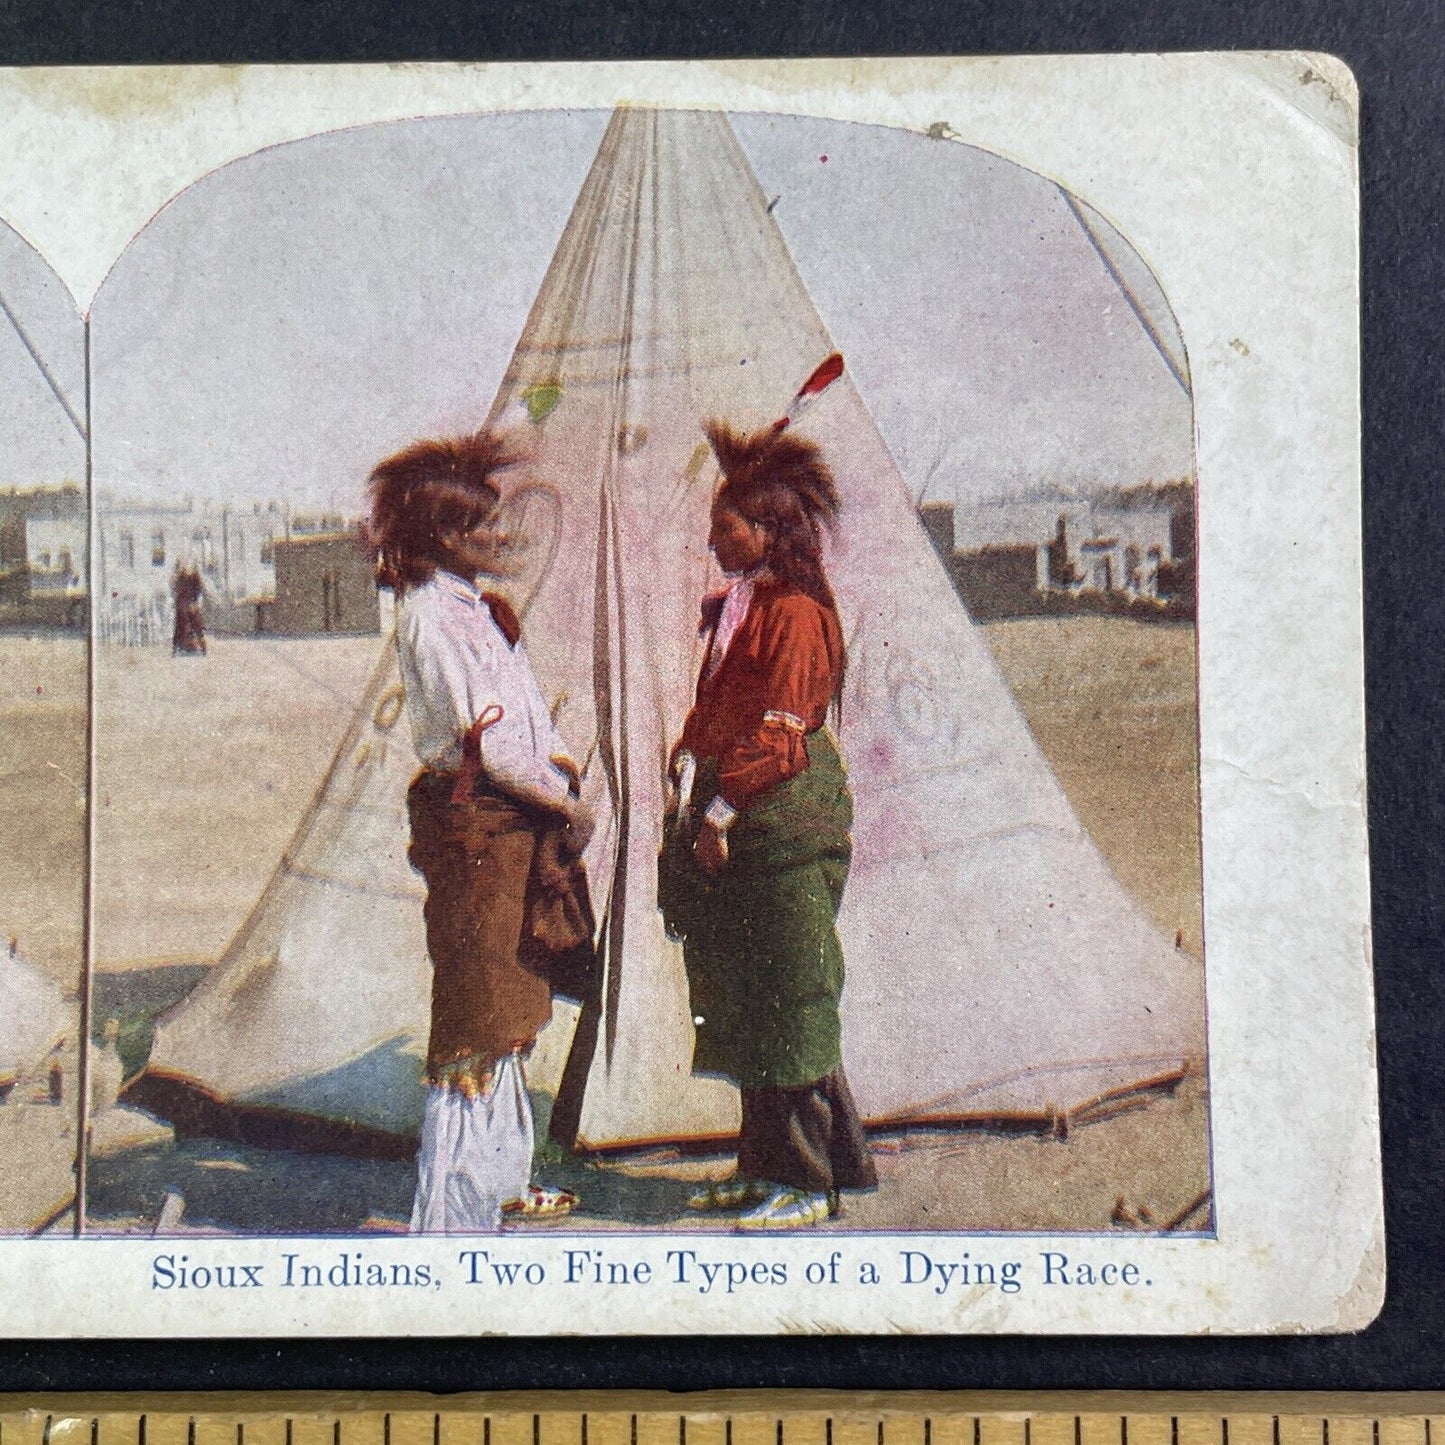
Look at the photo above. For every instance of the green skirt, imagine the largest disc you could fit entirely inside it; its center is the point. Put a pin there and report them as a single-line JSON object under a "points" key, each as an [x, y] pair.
{"points": [[764, 964]]}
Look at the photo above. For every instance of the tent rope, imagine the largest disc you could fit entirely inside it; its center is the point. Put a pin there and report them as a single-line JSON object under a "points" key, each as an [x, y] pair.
{"points": [[1140, 315], [43, 369]]}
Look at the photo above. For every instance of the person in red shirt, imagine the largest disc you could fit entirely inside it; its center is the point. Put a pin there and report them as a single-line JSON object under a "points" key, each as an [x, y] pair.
{"points": [[761, 847]]}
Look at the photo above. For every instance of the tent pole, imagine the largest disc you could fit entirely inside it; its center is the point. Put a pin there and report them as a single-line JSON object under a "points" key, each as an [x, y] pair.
{"points": [[1133, 301], [45, 371], [82, 1140]]}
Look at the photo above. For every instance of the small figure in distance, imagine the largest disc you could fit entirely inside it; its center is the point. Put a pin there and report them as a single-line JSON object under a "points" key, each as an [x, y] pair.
{"points": [[188, 593]]}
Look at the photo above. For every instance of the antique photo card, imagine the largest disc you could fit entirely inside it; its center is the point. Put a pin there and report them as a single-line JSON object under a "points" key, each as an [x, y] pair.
{"points": [[710, 697]]}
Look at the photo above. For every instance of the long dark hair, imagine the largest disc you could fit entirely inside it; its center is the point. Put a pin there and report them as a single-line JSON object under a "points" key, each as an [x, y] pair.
{"points": [[779, 480], [430, 488]]}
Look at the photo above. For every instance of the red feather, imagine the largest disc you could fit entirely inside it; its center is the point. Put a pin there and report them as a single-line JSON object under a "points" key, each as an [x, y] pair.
{"points": [[827, 373], [824, 375]]}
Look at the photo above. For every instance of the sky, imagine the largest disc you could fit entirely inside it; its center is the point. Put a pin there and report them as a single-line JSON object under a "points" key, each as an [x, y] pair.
{"points": [[40, 331], [300, 313]]}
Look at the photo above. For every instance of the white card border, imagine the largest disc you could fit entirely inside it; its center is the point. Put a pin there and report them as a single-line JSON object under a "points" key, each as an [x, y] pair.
{"points": [[1236, 178]]}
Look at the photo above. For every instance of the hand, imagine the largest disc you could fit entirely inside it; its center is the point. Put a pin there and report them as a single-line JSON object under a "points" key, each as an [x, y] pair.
{"points": [[683, 774], [711, 849], [577, 831]]}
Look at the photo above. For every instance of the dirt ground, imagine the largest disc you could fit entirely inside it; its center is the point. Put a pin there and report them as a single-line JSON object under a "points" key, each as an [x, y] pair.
{"points": [[1113, 704], [1153, 1159], [205, 764], [42, 800]]}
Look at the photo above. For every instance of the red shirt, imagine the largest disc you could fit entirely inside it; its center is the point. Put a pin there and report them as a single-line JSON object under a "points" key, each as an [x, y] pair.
{"points": [[782, 670]]}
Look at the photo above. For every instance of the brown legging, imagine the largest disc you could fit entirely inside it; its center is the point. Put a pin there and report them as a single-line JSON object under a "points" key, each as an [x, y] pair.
{"points": [[476, 858], [808, 1137]]}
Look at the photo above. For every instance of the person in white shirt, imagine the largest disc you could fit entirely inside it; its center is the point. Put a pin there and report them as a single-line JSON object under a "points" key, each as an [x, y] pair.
{"points": [[496, 796]]}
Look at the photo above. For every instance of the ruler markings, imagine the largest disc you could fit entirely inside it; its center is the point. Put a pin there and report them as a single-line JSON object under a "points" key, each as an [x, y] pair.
{"points": [[1107, 1430], [1199, 1430], [742, 1420], [1403, 1431], [1150, 1429], [1006, 1430], [704, 1429], [1347, 1431], [754, 1429]]}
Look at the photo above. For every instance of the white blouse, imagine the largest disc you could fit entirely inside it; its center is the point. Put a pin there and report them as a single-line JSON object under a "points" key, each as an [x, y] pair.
{"points": [[456, 666], [735, 607]]}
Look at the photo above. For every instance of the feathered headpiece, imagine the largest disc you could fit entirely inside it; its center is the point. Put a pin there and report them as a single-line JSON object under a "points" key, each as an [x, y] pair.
{"points": [[824, 375], [427, 489], [763, 467], [749, 460], [779, 479]]}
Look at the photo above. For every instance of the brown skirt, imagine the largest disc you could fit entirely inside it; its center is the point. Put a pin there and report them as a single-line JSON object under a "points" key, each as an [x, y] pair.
{"points": [[807, 1137], [476, 858]]}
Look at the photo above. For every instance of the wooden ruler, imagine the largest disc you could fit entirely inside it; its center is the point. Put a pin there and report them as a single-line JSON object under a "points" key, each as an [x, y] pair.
{"points": [[739, 1418]]}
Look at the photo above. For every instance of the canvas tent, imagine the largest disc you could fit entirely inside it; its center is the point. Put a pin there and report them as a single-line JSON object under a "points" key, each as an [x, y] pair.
{"points": [[42, 436], [996, 969], [33, 1016]]}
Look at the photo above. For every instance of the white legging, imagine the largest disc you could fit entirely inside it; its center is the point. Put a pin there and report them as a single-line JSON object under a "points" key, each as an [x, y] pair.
{"points": [[475, 1155]]}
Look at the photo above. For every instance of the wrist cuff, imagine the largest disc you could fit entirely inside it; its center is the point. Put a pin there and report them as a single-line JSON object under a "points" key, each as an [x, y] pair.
{"points": [[720, 814]]}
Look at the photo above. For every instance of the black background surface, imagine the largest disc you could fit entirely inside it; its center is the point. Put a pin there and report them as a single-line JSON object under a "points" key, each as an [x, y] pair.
{"points": [[1396, 52]]}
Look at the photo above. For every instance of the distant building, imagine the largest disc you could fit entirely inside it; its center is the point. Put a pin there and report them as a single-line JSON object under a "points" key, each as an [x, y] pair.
{"points": [[1001, 581], [938, 522], [1017, 558], [139, 545], [43, 555], [324, 583], [1117, 549]]}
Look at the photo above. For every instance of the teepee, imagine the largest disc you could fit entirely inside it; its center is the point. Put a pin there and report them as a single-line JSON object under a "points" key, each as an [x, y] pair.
{"points": [[33, 1016], [995, 966]]}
